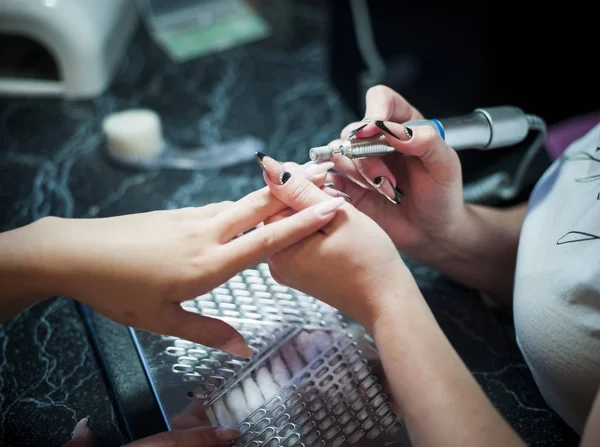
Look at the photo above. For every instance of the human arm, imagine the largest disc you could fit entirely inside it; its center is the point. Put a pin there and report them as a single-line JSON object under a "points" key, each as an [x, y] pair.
{"points": [[137, 269]]}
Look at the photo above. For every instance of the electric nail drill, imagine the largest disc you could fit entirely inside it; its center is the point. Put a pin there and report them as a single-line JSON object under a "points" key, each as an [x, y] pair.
{"points": [[481, 129]]}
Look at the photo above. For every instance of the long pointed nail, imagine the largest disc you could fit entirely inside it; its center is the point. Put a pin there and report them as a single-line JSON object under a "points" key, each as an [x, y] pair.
{"points": [[358, 129], [318, 168], [328, 206], [238, 347], [385, 187], [336, 192], [259, 159], [273, 168], [406, 135], [81, 429]]}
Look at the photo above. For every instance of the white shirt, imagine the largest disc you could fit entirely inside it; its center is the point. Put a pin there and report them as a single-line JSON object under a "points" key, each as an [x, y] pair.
{"points": [[557, 283]]}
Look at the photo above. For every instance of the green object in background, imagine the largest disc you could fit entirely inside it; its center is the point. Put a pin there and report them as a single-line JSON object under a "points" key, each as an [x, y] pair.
{"points": [[237, 28]]}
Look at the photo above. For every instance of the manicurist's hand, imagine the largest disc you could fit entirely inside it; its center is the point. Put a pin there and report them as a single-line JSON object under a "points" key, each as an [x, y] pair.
{"points": [[424, 176], [416, 195]]}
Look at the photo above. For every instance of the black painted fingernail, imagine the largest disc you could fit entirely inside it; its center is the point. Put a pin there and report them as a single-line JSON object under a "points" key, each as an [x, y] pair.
{"points": [[273, 168], [408, 131], [259, 159], [284, 177], [385, 187], [338, 192], [355, 131], [384, 128]]}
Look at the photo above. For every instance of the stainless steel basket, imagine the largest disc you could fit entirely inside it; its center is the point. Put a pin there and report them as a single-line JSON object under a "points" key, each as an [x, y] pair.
{"points": [[331, 395]]}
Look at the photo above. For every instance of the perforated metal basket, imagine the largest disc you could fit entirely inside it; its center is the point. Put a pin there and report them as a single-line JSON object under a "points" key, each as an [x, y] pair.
{"points": [[334, 399]]}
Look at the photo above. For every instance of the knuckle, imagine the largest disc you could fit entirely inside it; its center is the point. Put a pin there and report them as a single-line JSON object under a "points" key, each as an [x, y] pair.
{"points": [[428, 135], [301, 193], [268, 238], [209, 337], [257, 200]]}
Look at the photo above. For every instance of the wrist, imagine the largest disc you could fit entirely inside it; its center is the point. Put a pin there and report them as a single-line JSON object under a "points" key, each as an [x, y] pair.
{"points": [[447, 243], [390, 300], [46, 259], [402, 310], [26, 264]]}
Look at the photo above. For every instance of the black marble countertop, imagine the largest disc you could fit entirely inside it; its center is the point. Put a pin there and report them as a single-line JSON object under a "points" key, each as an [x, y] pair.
{"points": [[51, 163]]}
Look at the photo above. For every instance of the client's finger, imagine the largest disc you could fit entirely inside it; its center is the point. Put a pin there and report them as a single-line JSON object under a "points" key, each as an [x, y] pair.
{"points": [[293, 190], [206, 331], [279, 216], [258, 245], [258, 206]]}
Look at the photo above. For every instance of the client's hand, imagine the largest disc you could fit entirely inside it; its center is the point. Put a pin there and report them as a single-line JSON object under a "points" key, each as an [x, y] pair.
{"points": [[351, 263], [189, 437], [427, 179], [137, 269]]}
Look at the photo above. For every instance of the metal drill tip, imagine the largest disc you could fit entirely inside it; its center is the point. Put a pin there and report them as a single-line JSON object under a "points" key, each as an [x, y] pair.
{"points": [[320, 153]]}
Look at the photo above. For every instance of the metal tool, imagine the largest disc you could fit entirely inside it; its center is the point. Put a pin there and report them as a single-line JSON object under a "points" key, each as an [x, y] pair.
{"points": [[483, 129]]}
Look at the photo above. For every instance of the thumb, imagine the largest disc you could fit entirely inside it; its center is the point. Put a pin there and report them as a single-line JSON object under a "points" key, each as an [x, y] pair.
{"points": [[206, 331], [82, 435]]}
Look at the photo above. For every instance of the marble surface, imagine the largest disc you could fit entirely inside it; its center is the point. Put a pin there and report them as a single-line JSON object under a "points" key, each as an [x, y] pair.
{"points": [[51, 163]]}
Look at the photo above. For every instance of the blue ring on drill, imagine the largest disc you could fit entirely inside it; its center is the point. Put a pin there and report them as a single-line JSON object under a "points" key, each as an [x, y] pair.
{"points": [[440, 128]]}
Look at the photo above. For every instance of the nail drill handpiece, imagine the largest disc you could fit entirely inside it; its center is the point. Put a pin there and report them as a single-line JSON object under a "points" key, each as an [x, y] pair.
{"points": [[482, 129]]}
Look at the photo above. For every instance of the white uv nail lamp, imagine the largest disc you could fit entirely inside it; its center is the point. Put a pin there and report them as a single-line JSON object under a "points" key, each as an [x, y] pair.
{"points": [[62, 48], [314, 378]]}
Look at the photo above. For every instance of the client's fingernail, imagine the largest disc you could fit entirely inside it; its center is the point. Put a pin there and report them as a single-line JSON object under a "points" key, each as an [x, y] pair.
{"points": [[337, 192], [81, 429], [273, 168], [238, 347], [226, 434], [319, 168], [408, 131], [284, 177], [259, 159], [385, 187], [329, 206], [358, 129]]}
